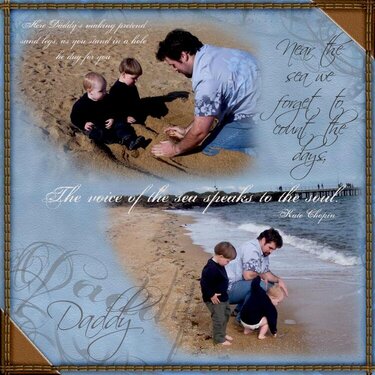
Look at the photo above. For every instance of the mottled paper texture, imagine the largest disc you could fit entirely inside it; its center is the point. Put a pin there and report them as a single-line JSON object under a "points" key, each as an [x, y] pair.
{"points": [[101, 274]]}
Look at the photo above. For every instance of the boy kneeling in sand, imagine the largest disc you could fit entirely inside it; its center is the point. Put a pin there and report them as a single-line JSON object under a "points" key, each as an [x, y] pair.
{"points": [[259, 310], [214, 285], [94, 114]]}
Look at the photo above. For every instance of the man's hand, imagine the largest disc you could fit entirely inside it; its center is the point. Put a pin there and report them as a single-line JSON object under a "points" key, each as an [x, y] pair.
{"points": [[108, 123], [130, 120], [282, 285], [270, 277], [89, 126], [194, 135], [175, 132], [215, 298], [165, 148]]}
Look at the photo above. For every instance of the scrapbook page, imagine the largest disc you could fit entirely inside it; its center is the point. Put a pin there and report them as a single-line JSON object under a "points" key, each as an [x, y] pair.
{"points": [[167, 169]]}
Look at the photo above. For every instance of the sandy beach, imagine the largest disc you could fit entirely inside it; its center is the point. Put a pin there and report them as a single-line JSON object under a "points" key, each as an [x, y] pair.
{"points": [[153, 244], [49, 86]]}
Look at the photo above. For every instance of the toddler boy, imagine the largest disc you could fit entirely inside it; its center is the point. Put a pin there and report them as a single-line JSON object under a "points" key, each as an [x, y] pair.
{"points": [[259, 310]]}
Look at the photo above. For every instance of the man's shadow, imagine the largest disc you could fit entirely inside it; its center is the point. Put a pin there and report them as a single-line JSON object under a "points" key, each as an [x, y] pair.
{"points": [[156, 106]]}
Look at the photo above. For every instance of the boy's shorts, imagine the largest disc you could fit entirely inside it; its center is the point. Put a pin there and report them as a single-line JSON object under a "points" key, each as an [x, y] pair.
{"points": [[251, 326]]}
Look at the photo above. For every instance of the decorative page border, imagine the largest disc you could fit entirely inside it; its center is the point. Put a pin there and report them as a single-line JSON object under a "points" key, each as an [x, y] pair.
{"points": [[5, 345], [333, 4]]}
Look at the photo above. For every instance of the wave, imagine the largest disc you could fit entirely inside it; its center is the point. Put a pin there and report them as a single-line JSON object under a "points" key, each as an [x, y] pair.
{"points": [[207, 225], [322, 251]]}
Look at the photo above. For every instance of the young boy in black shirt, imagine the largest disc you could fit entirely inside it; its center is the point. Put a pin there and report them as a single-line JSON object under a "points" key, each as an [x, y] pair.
{"points": [[124, 92], [214, 285], [259, 310], [95, 114]]}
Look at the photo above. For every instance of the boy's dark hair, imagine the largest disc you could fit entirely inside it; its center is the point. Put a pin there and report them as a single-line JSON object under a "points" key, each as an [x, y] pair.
{"points": [[176, 42], [272, 235], [130, 66], [226, 249]]}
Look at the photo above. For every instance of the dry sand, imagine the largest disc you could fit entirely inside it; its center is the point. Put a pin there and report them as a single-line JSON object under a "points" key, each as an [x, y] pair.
{"points": [[49, 87]]}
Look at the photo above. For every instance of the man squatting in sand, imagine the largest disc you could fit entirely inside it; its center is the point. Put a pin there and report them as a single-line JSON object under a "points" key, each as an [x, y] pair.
{"points": [[225, 86], [214, 285], [252, 261]]}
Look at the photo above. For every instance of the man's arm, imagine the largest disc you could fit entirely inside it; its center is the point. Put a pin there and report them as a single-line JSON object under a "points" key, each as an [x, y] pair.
{"points": [[197, 133], [190, 126], [269, 276], [251, 264], [249, 275], [178, 132]]}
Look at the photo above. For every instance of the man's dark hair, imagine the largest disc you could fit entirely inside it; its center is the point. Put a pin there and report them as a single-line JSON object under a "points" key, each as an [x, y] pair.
{"points": [[176, 42], [272, 235]]}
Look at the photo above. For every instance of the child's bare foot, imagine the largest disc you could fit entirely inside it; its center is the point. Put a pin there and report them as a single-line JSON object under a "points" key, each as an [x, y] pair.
{"points": [[246, 331], [226, 343], [229, 338], [261, 337]]}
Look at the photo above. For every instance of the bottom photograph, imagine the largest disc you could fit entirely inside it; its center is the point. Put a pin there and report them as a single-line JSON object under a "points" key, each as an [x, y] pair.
{"points": [[251, 278], [166, 283]]}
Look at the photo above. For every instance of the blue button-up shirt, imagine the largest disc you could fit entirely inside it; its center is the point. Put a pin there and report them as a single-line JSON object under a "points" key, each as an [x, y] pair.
{"points": [[225, 83]]}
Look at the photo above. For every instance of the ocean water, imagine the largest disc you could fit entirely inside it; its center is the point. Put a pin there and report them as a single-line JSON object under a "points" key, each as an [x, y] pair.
{"points": [[318, 237]]}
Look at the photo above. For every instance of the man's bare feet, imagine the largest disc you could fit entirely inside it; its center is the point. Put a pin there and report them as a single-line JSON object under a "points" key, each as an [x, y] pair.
{"points": [[229, 338], [226, 343], [246, 331]]}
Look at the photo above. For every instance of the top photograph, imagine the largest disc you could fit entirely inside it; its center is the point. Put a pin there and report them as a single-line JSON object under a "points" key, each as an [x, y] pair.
{"points": [[182, 94]]}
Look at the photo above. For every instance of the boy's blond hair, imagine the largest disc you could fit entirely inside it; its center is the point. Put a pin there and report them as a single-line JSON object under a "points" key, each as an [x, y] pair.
{"points": [[130, 66], [276, 292], [92, 77]]}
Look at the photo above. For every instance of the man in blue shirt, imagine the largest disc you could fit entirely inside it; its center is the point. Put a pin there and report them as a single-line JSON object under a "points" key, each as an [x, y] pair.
{"points": [[225, 86], [252, 261]]}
